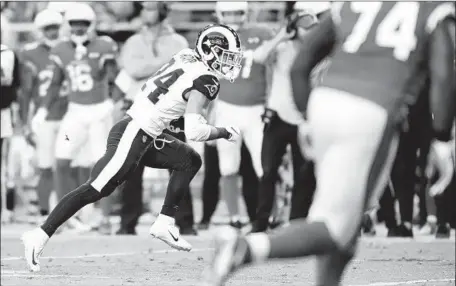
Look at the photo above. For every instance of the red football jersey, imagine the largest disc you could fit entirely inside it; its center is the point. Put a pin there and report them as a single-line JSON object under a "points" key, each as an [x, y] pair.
{"points": [[84, 68], [251, 86], [378, 40], [35, 58]]}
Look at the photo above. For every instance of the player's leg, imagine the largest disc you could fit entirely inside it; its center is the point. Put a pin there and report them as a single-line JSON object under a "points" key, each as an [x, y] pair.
{"points": [[211, 187], [126, 144], [45, 150], [98, 134], [229, 154], [6, 134], [171, 153], [331, 267], [250, 183], [230, 159], [253, 140], [348, 167], [72, 135], [272, 150]]}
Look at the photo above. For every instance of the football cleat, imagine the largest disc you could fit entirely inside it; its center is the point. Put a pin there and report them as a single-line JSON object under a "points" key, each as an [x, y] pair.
{"points": [[34, 242], [165, 230], [230, 253]]}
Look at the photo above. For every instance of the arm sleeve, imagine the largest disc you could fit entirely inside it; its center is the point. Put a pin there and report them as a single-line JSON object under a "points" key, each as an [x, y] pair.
{"points": [[28, 78], [442, 75], [208, 85], [56, 82], [139, 61], [316, 45]]}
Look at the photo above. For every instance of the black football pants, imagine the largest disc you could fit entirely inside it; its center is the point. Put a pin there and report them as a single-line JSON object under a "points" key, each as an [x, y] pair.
{"points": [[129, 146], [132, 199], [277, 135]]}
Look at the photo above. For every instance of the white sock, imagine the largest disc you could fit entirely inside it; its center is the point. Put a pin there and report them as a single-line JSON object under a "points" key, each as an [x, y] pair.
{"points": [[165, 218], [259, 246], [235, 218]]}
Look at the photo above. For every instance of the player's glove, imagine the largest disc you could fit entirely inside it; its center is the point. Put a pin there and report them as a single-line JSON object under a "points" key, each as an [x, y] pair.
{"points": [[38, 119], [234, 133]]}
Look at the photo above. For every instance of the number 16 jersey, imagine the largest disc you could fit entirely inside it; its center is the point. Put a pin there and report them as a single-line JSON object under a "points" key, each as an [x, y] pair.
{"points": [[163, 98]]}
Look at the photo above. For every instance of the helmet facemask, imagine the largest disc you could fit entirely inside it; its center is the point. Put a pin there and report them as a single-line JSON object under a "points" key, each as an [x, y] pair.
{"points": [[79, 31], [51, 35], [227, 63]]}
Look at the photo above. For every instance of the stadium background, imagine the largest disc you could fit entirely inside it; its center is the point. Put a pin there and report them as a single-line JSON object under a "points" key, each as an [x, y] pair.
{"points": [[110, 260], [120, 20]]}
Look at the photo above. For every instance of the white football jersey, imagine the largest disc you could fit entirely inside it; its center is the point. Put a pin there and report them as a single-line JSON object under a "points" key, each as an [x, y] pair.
{"points": [[162, 98]]}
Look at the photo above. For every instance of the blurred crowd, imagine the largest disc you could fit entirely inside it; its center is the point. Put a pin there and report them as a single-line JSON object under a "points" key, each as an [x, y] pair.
{"points": [[276, 177]]}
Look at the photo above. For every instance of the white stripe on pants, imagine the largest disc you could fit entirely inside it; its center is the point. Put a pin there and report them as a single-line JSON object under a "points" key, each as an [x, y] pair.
{"points": [[119, 157]]}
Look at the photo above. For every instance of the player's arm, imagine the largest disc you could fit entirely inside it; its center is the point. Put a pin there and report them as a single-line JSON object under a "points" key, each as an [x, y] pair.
{"points": [[268, 48], [140, 62], [315, 46], [196, 127], [28, 76], [443, 86], [205, 89]]}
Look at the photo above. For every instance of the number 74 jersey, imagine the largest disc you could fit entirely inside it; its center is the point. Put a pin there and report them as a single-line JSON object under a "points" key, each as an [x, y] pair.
{"points": [[379, 41], [163, 98]]}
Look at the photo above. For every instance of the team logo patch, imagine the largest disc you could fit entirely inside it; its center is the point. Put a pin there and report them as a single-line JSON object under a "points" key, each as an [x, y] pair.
{"points": [[212, 88], [254, 40], [144, 139]]}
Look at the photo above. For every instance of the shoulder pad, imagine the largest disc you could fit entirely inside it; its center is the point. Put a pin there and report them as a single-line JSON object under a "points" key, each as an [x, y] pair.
{"points": [[106, 44], [208, 85], [106, 39], [441, 12], [30, 46]]}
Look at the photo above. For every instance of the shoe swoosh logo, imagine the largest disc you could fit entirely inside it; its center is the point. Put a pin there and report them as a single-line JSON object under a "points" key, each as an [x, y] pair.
{"points": [[33, 257], [176, 239]]}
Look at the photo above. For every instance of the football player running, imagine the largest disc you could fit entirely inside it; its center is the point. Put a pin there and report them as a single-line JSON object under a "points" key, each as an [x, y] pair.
{"points": [[88, 63], [353, 119], [182, 87], [37, 77], [241, 104]]}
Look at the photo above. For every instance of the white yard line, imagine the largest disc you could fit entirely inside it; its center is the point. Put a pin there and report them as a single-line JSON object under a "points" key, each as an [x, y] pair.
{"points": [[408, 282], [7, 273], [98, 255]]}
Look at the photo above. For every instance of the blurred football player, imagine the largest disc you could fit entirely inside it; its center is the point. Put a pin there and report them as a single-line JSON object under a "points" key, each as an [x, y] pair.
{"points": [[88, 63], [37, 77], [353, 118], [182, 87], [10, 82], [241, 104]]}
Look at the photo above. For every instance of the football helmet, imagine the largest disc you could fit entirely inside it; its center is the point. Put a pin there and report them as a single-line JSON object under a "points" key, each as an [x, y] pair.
{"points": [[82, 21], [312, 7], [219, 47], [233, 14], [47, 24]]}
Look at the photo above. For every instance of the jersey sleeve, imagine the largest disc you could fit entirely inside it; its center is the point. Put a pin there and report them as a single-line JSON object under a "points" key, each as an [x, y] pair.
{"points": [[55, 57], [441, 12], [109, 50], [208, 85]]}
